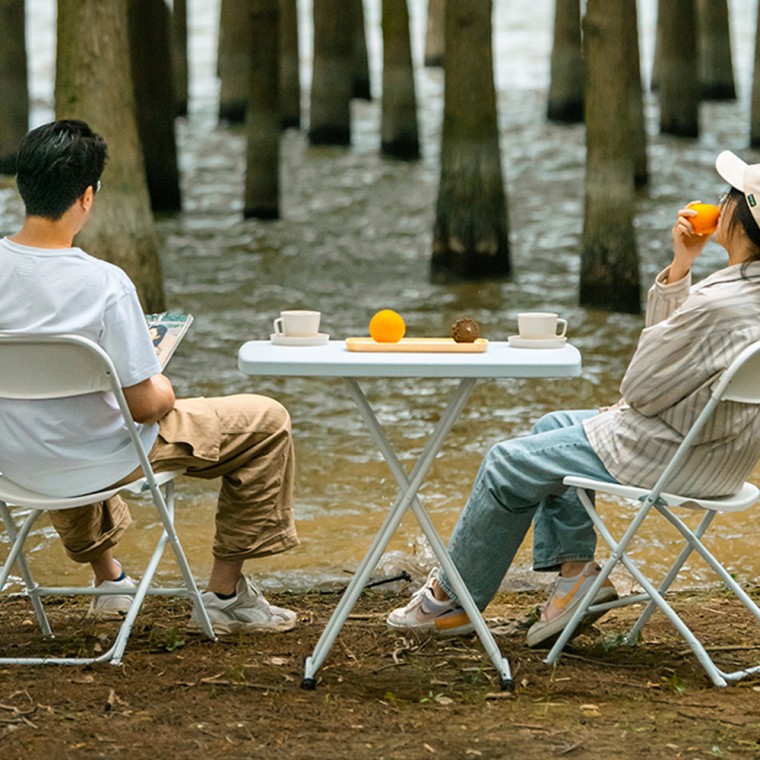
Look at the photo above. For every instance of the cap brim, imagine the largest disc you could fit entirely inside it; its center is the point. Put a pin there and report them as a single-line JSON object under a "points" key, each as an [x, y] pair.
{"points": [[731, 168]]}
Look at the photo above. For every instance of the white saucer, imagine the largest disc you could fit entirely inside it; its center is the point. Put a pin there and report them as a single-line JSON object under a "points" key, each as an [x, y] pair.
{"points": [[517, 342], [306, 340]]}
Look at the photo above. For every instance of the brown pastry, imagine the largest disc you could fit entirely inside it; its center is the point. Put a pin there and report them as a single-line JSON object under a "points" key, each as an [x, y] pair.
{"points": [[465, 330]]}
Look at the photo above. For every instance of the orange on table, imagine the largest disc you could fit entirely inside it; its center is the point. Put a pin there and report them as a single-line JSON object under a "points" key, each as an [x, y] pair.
{"points": [[387, 326], [706, 220]]}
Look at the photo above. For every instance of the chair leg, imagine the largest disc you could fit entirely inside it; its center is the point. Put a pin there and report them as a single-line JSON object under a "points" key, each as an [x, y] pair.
{"points": [[713, 563], [166, 509], [635, 632], [16, 555], [618, 555]]}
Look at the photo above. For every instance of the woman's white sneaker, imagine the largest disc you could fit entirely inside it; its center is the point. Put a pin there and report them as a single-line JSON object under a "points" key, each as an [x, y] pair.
{"points": [[425, 614]]}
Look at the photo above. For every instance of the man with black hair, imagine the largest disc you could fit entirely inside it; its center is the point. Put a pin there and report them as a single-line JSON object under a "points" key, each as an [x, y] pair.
{"points": [[77, 445]]}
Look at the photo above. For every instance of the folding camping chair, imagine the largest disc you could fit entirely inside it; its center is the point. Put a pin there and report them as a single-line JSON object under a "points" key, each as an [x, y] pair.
{"points": [[59, 366], [739, 383]]}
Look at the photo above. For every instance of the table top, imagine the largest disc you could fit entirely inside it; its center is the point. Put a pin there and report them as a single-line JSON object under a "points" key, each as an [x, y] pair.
{"points": [[333, 359]]}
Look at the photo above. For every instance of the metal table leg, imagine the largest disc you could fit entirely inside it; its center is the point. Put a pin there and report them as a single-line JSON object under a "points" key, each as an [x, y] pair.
{"points": [[408, 485]]}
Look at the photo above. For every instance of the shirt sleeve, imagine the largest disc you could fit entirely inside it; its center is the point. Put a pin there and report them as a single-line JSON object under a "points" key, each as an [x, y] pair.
{"points": [[126, 340], [664, 297], [677, 356]]}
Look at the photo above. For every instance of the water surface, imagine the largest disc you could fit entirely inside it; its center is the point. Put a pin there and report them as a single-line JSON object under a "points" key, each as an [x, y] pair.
{"points": [[355, 237]]}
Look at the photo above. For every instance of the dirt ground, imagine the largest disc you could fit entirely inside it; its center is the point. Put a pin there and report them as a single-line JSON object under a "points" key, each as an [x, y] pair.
{"points": [[379, 694]]}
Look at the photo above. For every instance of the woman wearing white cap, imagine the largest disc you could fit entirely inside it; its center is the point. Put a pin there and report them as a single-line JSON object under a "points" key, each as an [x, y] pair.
{"points": [[692, 334]]}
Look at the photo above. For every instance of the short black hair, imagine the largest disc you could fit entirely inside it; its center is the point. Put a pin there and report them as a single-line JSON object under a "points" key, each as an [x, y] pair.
{"points": [[56, 163]]}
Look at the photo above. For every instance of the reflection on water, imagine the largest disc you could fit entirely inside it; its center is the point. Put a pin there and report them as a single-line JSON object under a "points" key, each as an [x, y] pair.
{"points": [[355, 237]]}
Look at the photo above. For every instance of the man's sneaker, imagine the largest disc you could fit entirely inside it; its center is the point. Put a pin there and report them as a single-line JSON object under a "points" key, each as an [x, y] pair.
{"points": [[246, 611], [565, 597], [425, 614], [111, 606]]}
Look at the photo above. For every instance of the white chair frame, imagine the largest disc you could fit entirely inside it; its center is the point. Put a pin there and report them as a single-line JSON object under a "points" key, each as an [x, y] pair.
{"points": [[740, 382], [58, 366]]}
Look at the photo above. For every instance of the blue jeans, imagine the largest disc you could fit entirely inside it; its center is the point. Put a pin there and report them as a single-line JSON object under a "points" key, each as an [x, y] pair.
{"points": [[519, 481]]}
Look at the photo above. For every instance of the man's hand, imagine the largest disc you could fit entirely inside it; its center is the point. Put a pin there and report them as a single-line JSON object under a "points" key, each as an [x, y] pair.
{"points": [[151, 399]]}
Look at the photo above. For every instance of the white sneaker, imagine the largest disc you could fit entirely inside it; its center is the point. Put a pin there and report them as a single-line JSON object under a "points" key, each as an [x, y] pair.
{"points": [[425, 614], [248, 610], [111, 606], [566, 596]]}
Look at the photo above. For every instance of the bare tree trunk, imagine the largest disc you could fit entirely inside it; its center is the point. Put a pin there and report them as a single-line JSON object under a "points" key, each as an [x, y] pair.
{"points": [[233, 59], [362, 87], [566, 84], [470, 237], [754, 129], [14, 93], [679, 87], [153, 78], [179, 55], [609, 258], [263, 123], [94, 83], [434, 35], [399, 133], [333, 75], [290, 74], [657, 58], [716, 70], [636, 103]]}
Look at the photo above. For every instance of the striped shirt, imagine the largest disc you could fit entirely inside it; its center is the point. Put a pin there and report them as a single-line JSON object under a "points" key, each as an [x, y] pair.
{"points": [[692, 334]]}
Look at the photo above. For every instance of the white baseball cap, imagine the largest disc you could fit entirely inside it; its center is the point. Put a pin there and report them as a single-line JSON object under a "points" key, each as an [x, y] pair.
{"points": [[742, 176]]}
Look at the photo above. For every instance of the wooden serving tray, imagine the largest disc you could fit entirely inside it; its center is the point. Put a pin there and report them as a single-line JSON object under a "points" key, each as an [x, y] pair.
{"points": [[424, 345]]}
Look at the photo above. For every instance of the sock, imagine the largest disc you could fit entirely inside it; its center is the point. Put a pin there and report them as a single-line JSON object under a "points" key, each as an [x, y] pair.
{"points": [[431, 605], [225, 597]]}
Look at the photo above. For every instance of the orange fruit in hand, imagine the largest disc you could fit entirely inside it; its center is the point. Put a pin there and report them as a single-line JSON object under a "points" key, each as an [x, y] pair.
{"points": [[706, 220], [387, 326]]}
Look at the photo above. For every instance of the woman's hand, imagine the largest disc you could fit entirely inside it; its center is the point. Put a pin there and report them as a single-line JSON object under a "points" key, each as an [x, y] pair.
{"points": [[686, 244]]}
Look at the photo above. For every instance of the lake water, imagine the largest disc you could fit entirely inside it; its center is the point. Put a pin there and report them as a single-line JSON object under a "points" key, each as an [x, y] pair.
{"points": [[355, 237]]}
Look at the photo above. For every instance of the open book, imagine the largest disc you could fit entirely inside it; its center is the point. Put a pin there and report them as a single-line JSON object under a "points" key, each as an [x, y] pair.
{"points": [[167, 330]]}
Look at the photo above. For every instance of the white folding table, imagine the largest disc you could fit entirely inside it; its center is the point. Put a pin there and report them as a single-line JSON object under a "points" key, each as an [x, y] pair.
{"points": [[333, 359]]}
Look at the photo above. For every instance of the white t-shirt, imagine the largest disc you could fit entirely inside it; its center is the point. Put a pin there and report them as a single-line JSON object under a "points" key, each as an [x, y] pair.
{"points": [[80, 444]]}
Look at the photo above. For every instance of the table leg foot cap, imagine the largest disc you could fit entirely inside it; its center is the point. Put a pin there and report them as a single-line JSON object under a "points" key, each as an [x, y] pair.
{"points": [[507, 684], [309, 684]]}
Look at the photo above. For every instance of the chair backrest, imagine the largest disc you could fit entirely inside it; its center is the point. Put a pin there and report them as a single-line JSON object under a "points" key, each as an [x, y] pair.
{"points": [[741, 381], [52, 366], [60, 365]]}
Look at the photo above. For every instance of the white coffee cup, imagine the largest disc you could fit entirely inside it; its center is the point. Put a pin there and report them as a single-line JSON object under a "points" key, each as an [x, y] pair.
{"points": [[297, 323], [540, 325]]}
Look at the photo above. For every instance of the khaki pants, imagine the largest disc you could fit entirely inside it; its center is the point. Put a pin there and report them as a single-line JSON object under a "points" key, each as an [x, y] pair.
{"points": [[243, 439]]}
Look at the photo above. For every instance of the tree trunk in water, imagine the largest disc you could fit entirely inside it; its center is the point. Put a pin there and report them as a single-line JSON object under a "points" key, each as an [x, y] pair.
{"points": [[94, 83], [290, 75], [654, 84], [566, 83], [636, 103], [754, 129], [333, 75], [609, 258], [399, 133], [14, 93], [263, 123], [179, 55], [234, 59], [153, 78], [470, 237], [434, 36], [716, 69], [362, 87], [679, 83]]}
